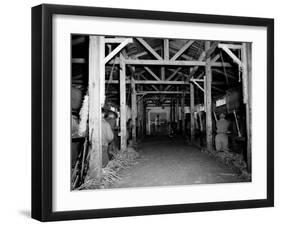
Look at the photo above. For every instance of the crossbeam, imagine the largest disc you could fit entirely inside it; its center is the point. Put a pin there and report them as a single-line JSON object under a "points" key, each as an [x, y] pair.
{"points": [[173, 74], [232, 55], [230, 46], [182, 50], [117, 50], [203, 55], [152, 73], [200, 87], [154, 82], [159, 92], [117, 40], [149, 48]]}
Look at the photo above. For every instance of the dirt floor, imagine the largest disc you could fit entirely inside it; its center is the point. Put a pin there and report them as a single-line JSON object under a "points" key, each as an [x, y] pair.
{"points": [[171, 161]]}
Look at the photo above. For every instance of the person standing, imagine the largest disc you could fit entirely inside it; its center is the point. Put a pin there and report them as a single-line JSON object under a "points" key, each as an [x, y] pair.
{"points": [[106, 137], [112, 147], [221, 139]]}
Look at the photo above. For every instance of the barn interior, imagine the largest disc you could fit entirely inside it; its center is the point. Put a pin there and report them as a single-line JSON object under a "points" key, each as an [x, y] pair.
{"points": [[163, 93]]}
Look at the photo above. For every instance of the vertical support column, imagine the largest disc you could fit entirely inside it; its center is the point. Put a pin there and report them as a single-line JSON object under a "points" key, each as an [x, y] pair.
{"points": [[134, 110], [182, 113], [165, 57], [96, 75], [140, 117], [123, 119], [178, 113], [172, 115], [246, 82], [192, 124], [208, 105]]}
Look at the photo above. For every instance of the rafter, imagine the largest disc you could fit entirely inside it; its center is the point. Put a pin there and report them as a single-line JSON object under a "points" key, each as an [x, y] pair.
{"points": [[152, 73], [232, 55], [202, 57], [182, 50], [216, 57], [117, 50], [173, 74], [149, 48]]}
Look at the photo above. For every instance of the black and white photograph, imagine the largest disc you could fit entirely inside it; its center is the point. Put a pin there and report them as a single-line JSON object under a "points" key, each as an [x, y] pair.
{"points": [[141, 112], [159, 112]]}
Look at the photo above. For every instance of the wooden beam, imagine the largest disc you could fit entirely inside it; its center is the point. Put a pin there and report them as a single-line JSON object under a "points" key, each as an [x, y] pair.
{"points": [[177, 113], [182, 50], [192, 120], [231, 46], [184, 56], [117, 50], [233, 56], [158, 92], [183, 113], [208, 94], [247, 90], [216, 57], [166, 49], [123, 110], [165, 62], [144, 53], [171, 63], [160, 82], [152, 73], [149, 48], [96, 68], [202, 57], [202, 89], [165, 57], [154, 87], [134, 111], [173, 74], [117, 40], [211, 50]]}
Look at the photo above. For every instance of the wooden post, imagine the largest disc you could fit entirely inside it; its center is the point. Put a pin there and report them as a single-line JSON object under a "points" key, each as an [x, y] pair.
{"points": [[123, 118], [96, 74], [166, 57], [246, 82], [134, 110], [140, 117], [192, 113], [178, 113], [182, 113], [208, 105]]}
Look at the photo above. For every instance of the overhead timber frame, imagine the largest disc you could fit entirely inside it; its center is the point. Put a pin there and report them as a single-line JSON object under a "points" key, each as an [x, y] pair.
{"points": [[184, 76]]}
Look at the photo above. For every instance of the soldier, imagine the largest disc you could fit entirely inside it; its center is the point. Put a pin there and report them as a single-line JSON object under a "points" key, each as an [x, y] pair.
{"points": [[222, 131]]}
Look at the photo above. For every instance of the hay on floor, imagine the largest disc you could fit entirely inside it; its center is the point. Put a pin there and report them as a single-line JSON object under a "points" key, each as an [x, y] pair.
{"points": [[121, 160]]}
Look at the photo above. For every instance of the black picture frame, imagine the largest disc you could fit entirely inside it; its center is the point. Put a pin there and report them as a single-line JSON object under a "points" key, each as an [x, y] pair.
{"points": [[42, 111]]}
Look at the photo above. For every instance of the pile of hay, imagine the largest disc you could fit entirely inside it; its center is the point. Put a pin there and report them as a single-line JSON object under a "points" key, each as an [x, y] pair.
{"points": [[121, 160], [232, 159]]}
